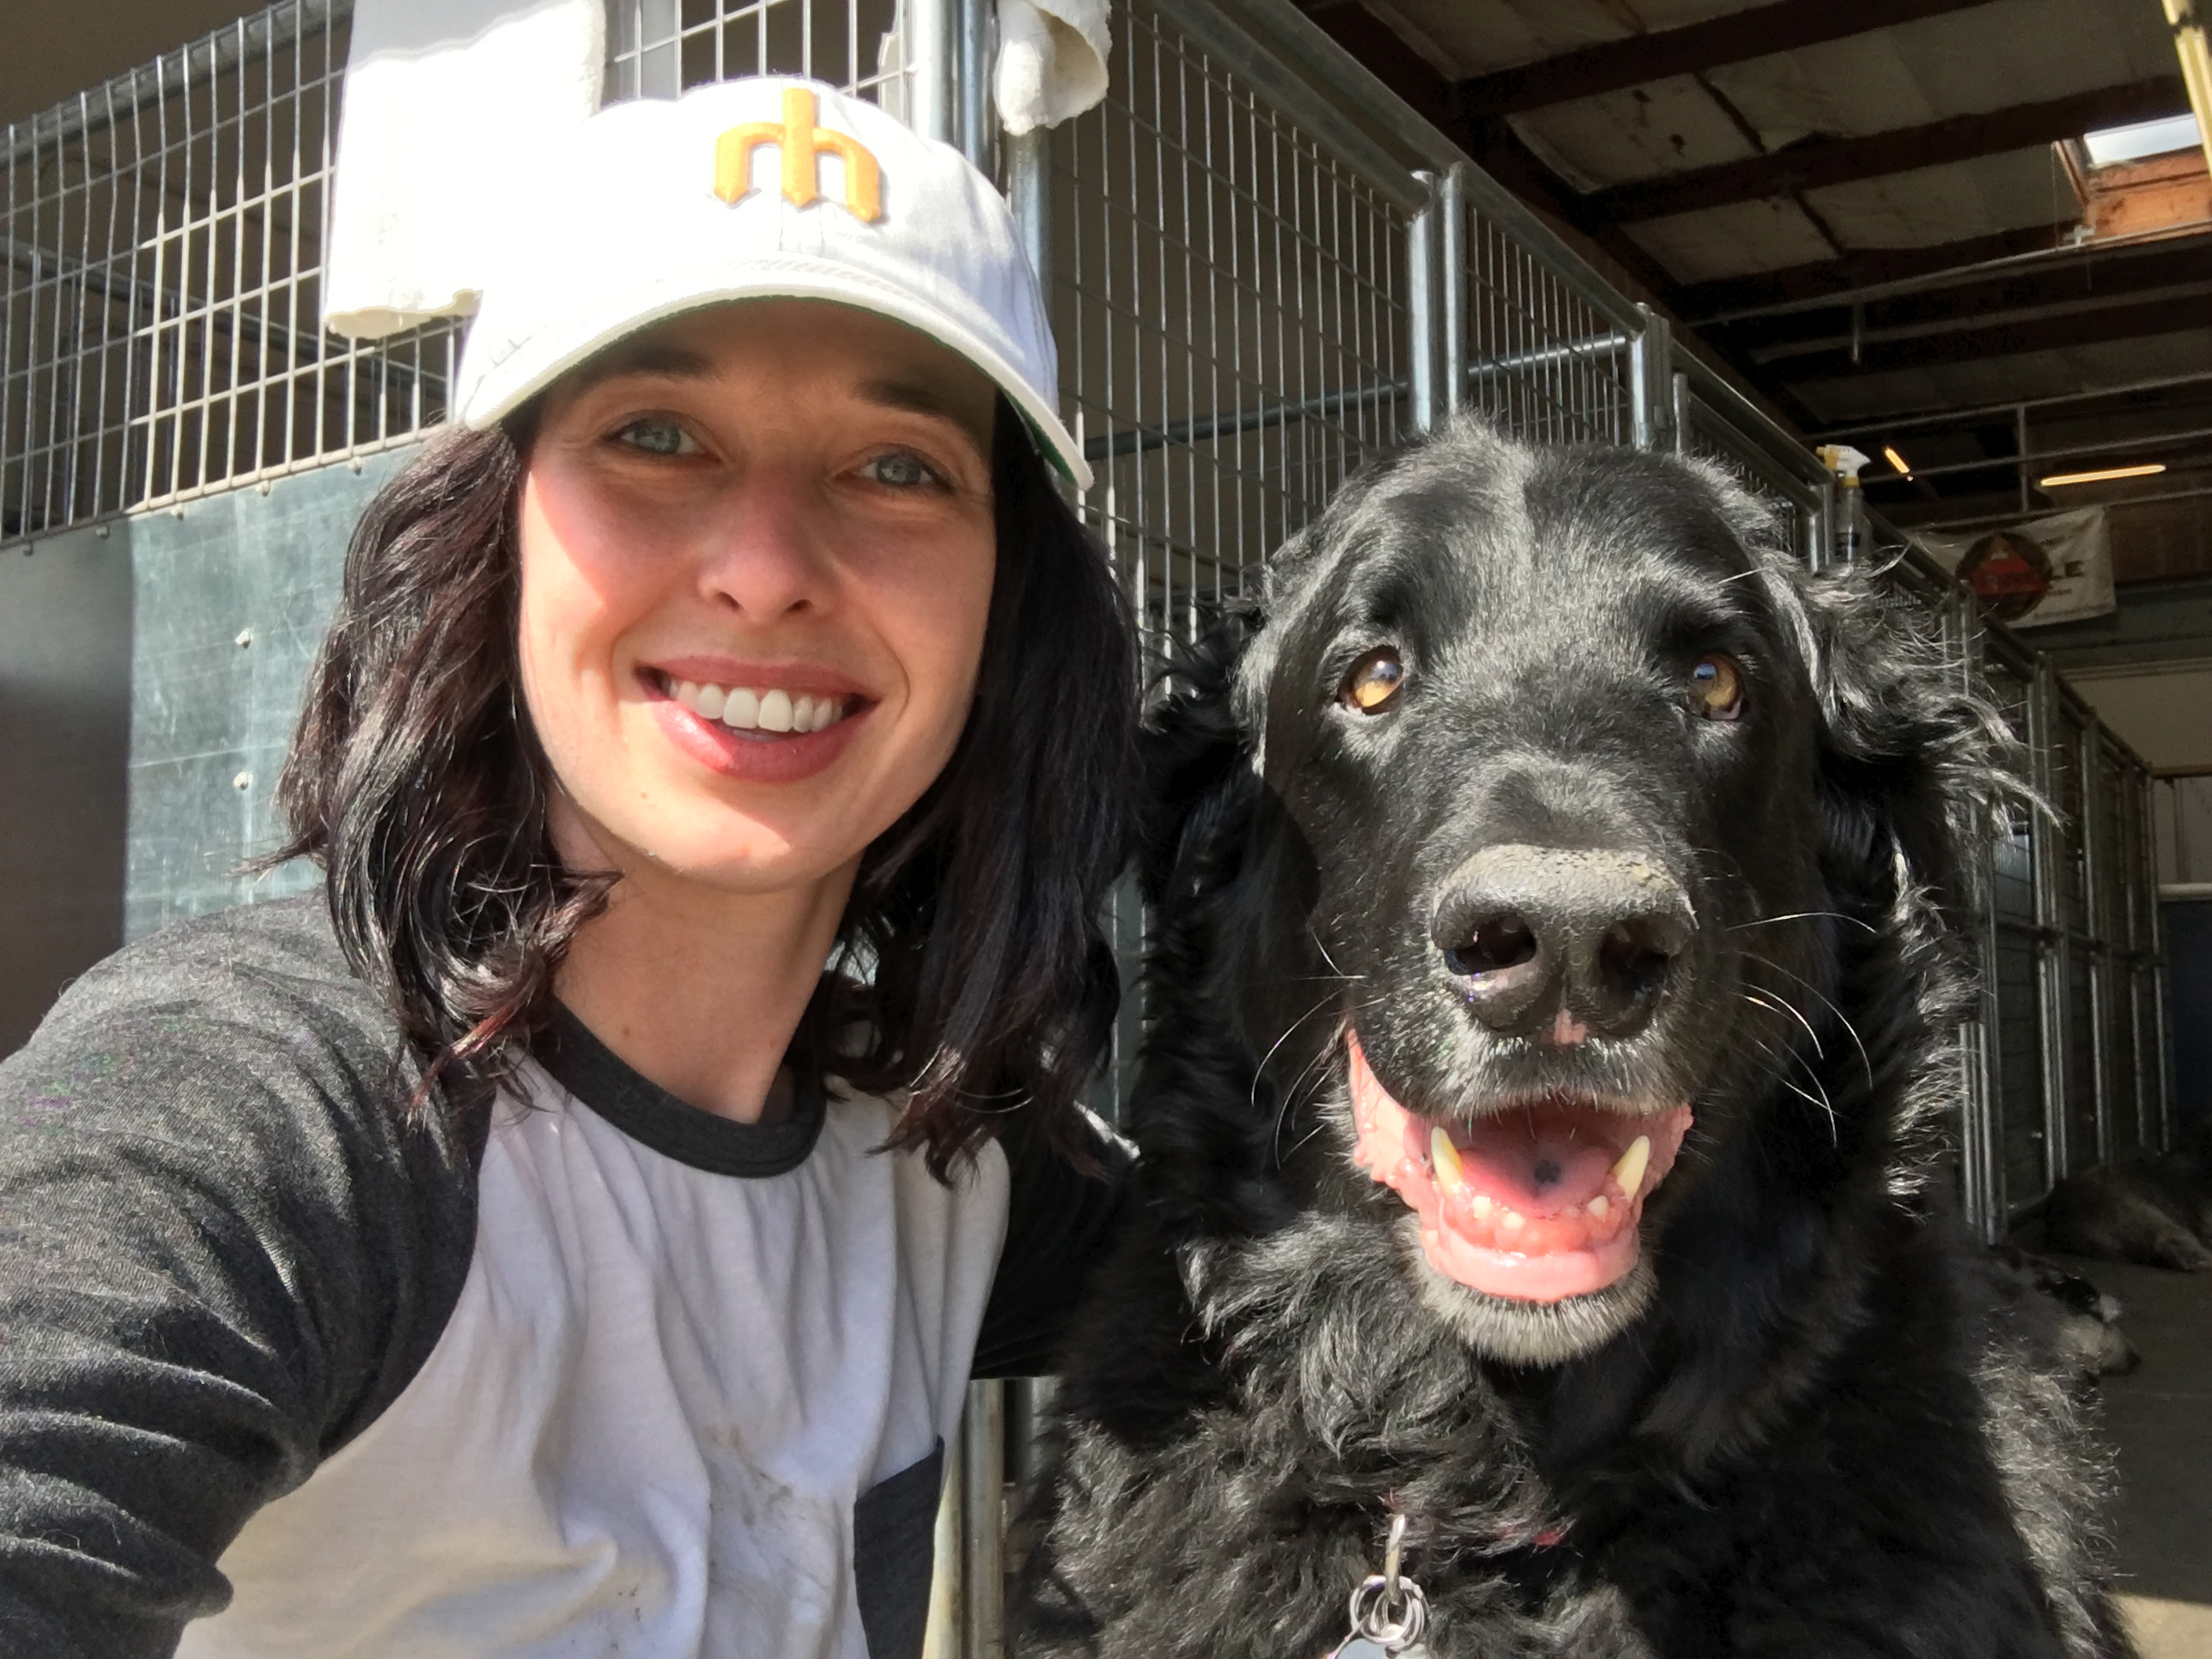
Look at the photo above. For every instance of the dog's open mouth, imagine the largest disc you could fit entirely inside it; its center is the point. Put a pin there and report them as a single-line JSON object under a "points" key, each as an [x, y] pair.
{"points": [[1536, 1204]]}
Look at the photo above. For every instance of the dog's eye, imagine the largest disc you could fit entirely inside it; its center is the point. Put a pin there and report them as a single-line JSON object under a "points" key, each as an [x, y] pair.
{"points": [[1715, 687], [1374, 682]]}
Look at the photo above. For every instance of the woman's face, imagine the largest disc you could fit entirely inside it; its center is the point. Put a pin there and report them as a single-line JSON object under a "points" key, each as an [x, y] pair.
{"points": [[757, 548]]}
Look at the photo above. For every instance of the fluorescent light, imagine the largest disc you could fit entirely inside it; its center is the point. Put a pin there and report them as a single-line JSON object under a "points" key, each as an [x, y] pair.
{"points": [[1889, 454], [2133, 143], [2109, 472]]}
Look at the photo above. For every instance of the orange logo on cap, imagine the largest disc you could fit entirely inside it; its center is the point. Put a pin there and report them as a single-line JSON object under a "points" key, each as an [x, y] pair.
{"points": [[800, 142]]}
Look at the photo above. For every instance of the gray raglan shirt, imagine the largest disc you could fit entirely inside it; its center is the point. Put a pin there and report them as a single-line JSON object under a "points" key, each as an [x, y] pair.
{"points": [[411, 1392]]}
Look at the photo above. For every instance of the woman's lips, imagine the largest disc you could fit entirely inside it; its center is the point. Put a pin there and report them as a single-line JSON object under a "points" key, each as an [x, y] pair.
{"points": [[1534, 1205], [755, 750]]}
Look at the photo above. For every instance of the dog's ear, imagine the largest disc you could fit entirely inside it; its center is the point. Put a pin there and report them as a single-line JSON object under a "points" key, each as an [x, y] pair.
{"points": [[1201, 784], [1913, 758]]}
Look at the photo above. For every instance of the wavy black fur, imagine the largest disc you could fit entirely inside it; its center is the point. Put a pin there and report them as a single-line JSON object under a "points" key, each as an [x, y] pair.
{"points": [[1819, 1436]]}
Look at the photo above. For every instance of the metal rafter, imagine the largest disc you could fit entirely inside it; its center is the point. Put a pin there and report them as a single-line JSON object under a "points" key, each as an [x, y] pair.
{"points": [[2004, 339]]}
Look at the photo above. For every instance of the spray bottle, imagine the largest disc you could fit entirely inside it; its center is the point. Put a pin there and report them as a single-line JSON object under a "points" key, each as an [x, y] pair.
{"points": [[1850, 506]]}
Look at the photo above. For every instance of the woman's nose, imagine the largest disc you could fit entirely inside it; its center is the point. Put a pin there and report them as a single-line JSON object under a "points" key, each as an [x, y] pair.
{"points": [[765, 552]]}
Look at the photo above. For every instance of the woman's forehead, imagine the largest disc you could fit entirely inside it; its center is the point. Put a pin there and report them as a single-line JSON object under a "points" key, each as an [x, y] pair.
{"points": [[814, 344]]}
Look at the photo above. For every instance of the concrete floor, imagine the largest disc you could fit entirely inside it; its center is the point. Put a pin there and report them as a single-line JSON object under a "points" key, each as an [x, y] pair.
{"points": [[2159, 1421]]}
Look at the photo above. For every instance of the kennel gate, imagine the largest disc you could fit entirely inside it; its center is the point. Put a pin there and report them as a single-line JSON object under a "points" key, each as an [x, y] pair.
{"points": [[1263, 268]]}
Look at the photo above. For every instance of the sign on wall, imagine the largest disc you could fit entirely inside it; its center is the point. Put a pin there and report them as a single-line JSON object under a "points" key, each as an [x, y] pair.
{"points": [[2055, 569]]}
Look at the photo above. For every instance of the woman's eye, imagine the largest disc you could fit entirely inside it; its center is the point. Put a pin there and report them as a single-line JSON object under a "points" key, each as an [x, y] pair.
{"points": [[1715, 687], [657, 435], [1374, 682], [901, 469]]}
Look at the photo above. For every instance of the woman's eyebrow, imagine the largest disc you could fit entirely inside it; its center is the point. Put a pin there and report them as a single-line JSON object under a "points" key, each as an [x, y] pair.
{"points": [[918, 397], [658, 359]]}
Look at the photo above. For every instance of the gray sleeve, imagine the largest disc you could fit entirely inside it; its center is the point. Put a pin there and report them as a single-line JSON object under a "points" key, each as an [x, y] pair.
{"points": [[221, 1253]]}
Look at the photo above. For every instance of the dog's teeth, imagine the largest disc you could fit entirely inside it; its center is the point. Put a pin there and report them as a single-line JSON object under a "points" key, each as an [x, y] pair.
{"points": [[1445, 1156], [1512, 1220], [1629, 1172], [1479, 1204], [1599, 1206]]}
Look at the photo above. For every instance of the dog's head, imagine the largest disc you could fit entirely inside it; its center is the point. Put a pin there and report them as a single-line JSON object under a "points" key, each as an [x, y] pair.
{"points": [[1562, 805]]}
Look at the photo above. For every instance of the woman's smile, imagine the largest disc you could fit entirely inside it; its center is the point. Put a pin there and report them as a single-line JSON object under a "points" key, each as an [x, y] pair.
{"points": [[760, 724]]}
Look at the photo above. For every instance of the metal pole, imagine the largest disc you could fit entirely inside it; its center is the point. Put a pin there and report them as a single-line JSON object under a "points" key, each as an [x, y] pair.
{"points": [[931, 64], [1981, 1149], [2161, 1055], [1680, 383], [1650, 374], [983, 1444], [972, 27], [2097, 925], [1029, 191], [2051, 954], [941, 1637], [1421, 306], [1451, 205]]}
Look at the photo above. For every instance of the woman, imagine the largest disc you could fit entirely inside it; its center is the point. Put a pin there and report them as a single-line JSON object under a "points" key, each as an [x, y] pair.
{"points": [[523, 1245]]}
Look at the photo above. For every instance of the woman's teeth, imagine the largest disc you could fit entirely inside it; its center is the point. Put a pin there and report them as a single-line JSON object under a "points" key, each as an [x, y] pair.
{"points": [[745, 709]]}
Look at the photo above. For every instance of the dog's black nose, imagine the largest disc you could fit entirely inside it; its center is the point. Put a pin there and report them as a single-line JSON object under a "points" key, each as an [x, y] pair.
{"points": [[1536, 933]]}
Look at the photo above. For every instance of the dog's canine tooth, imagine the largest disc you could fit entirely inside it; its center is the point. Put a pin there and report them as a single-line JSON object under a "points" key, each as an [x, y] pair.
{"points": [[1445, 1156], [1629, 1172]]}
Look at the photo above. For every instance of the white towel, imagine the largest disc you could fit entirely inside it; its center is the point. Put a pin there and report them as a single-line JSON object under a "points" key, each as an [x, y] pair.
{"points": [[1052, 61], [446, 101]]}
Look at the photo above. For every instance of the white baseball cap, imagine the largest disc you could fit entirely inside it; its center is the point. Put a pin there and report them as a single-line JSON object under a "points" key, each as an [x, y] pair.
{"points": [[771, 187]]}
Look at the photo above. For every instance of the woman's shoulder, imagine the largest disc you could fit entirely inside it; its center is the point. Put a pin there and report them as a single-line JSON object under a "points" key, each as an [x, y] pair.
{"points": [[223, 1026], [245, 989]]}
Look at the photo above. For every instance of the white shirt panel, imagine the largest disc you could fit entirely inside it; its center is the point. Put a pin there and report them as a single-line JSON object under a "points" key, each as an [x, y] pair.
{"points": [[643, 1428]]}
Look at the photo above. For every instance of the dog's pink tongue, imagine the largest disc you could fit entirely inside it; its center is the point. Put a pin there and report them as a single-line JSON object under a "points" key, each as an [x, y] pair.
{"points": [[1541, 1163]]}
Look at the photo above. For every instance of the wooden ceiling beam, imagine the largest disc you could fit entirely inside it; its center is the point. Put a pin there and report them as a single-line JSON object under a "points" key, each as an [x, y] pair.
{"points": [[1494, 144], [1639, 59], [1820, 163]]}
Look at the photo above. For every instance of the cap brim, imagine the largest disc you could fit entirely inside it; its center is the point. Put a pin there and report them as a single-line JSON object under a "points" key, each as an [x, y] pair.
{"points": [[538, 363]]}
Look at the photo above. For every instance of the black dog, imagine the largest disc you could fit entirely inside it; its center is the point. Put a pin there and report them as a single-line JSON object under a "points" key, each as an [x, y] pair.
{"points": [[1543, 1116]]}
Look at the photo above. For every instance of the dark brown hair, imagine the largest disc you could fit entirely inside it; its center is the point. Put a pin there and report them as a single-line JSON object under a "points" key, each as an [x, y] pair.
{"points": [[970, 953]]}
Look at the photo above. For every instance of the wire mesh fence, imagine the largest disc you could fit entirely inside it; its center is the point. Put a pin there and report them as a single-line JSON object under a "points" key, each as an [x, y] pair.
{"points": [[1230, 300], [1543, 362], [160, 304], [659, 48]]}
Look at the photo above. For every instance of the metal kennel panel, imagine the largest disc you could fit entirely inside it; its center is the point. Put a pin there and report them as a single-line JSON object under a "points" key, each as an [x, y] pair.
{"points": [[2069, 991], [160, 249], [2120, 1124], [2014, 1016], [1540, 350], [1714, 422], [1229, 283]]}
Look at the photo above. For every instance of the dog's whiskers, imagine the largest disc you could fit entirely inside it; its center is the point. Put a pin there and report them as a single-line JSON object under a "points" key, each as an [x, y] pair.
{"points": [[1803, 915], [1851, 1031], [1835, 1132]]}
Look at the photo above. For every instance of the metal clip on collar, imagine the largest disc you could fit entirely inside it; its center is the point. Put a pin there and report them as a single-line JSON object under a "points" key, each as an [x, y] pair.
{"points": [[1389, 1613]]}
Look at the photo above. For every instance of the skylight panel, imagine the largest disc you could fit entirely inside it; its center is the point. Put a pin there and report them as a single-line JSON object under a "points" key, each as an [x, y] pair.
{"points": [[2133, 143]]}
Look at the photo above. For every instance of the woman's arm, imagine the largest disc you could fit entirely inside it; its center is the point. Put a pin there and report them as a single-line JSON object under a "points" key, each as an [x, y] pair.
{"points": [[221, 1253]]}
